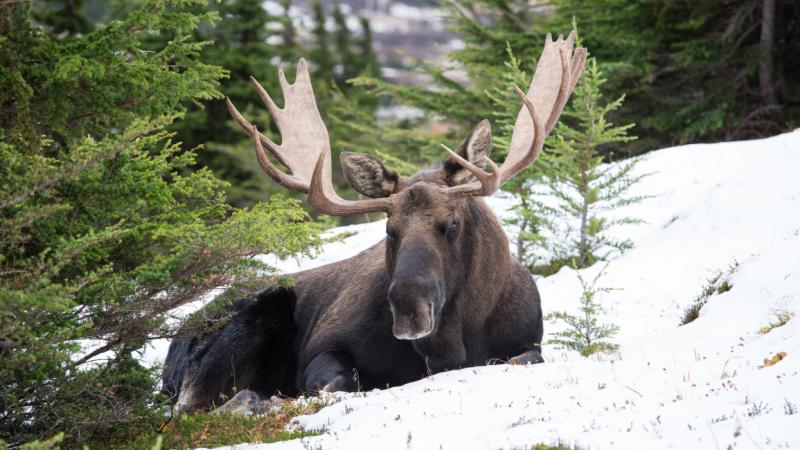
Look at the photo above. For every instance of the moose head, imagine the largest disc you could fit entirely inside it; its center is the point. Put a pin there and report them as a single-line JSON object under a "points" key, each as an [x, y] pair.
{"points": [[432, 219]]}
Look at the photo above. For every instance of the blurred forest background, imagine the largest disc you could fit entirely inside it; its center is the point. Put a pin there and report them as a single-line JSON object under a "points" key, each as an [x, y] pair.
{"points": [[127, 190], [691, 71]]}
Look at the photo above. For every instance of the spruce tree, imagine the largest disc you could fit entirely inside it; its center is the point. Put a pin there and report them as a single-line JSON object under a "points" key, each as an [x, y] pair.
{"points": [[703, 71], [580, 190], [530, 215], [347, 64], [245, 44], [321, 53], [583, 332], [289, 35], [104, 225], [65, 17], [369, 60]]}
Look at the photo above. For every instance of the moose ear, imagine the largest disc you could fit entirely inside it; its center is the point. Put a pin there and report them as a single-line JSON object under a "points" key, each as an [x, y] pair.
{"points": [[475, 149], [367, 175]]}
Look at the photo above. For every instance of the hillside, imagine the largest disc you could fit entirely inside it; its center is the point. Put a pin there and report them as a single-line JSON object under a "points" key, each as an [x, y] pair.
{"points": [[701, 385]]}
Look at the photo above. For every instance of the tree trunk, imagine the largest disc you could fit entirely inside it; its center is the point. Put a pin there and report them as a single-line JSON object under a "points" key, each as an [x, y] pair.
{"points": [[584, 243], [765, 64]]}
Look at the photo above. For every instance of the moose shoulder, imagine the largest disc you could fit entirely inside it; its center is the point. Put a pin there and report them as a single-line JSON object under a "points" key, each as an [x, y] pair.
{"points": [[440, 292]]}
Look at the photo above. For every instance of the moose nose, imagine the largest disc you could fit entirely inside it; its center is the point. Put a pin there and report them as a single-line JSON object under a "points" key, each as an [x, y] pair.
{"points": [[412, 304], [414, 321]]}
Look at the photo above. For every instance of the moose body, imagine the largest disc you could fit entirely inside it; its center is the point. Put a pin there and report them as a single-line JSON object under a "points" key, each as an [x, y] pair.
{"points": [[440, 292], [491, 313]]}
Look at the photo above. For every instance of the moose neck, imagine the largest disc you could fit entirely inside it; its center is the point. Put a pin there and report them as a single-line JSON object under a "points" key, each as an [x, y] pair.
{"points": [[487, 264]]}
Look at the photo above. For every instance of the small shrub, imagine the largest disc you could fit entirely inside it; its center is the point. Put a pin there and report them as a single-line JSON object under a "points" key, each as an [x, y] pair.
{"points": [[584, 333], [555, 446], [724, 287], [781, 319], [757, 409], [558, 446], [789, 408], [717, 284]]}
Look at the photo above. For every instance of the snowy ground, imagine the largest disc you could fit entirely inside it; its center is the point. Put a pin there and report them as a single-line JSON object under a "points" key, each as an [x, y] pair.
{"points": [[702, 385]]}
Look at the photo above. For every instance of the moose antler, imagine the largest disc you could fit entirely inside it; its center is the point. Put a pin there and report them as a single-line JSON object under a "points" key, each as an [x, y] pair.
{"points": [[305, 147], [555, 77]]}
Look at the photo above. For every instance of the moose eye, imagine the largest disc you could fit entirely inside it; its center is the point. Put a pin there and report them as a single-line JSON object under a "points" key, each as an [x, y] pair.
{"points": [[391, 235], [452, 231]]}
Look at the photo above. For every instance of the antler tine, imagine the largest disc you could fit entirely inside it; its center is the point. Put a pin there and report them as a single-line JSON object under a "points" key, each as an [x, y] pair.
{"points": [[577, 64], [324, 198], [489, 182], [280, 177], [265, 97], [562, 96], [535, 148], [248, 128]]}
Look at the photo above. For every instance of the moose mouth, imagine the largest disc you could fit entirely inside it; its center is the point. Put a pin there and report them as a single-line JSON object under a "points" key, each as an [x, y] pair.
{"points": [[414, 324]]}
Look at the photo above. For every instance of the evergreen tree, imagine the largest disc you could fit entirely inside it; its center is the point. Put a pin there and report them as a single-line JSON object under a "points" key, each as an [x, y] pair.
{"points": [[347, 57], [289, 35], [65, 17], [583, 332], [369, 60], [493, 28], [582, 190], [321, 54], [347, 65], [530, 215], [708, 71], [704, 71], [103, 227], [244, 43]]}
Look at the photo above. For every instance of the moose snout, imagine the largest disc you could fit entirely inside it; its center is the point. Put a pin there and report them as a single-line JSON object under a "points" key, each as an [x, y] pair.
{"points": [[413, 322], [413, 309]]}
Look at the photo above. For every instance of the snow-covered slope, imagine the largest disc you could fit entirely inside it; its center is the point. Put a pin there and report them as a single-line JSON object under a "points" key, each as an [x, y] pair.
{"points": [[702, 385]]}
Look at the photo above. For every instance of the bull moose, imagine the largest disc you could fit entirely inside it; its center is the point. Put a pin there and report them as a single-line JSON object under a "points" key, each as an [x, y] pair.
{"points": [[440, 292]]}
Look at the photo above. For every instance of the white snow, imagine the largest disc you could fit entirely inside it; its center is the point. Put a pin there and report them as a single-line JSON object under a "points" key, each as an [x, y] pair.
{"points": [[702, 385]]}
